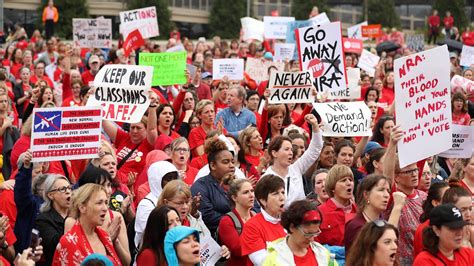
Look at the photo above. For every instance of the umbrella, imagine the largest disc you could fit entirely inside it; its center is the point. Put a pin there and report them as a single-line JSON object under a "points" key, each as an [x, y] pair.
{"points": [[386, 46], [452, 44]]}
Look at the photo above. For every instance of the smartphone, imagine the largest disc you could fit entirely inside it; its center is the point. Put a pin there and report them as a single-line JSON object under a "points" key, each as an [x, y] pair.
{"points": [[35, 239]]}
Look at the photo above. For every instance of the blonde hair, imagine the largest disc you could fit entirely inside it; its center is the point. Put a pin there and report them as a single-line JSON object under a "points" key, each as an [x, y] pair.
{"points": [[81, 196], [337, 172], [173, 188], [245, 137], [201, 104], [178, 141]]}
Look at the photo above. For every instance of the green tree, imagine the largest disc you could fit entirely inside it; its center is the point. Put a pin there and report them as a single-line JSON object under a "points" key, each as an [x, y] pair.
{"points": [[224, 19], [300, 9], [67, 9], [164, 14], [383, 12], [457, 11]]}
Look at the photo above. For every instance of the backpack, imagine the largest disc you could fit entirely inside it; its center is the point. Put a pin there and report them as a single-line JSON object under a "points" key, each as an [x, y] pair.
{"points": [[235, 220]]}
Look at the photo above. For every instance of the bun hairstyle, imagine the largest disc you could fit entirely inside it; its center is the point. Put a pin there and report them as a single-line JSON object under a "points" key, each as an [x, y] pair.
{"points": [[213, 148]]}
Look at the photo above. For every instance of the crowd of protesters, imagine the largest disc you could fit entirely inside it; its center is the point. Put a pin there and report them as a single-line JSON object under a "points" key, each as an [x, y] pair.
{"points": [[205, 162]]}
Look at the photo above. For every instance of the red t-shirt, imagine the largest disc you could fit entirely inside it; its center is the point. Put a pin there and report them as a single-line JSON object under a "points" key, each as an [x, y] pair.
{"points": [[9, 235], [307, 260], [418, 240], [462, 257], [199, 162], [196, 138], [190, 175], [87, 77], [218, 105], [147, 257], [69, 101], [136, 162], [256, 233], [448, 22], [35, 79], [461, 119]]}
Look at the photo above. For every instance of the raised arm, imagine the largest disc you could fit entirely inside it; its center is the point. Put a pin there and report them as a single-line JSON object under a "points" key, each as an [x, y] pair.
{"points": [[360, 147], [314, 148], [391, 153], [151, 127], [110, 129]]}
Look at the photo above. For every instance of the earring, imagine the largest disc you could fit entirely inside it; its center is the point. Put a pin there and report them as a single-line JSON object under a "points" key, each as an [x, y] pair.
{"points": [[368, 202]]}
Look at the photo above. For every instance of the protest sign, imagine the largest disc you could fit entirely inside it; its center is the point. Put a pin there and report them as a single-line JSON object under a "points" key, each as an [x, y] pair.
{"points": [[467, 56], [320, 19], [355, 31], [169, 68], [176, 48], [65, 133], [291, 87], [232, 68], [372, 31], [192, 69], [463, 143], [284, 51], [423, 104], [133, 41], [209, 251], [257, 68], [253, 29], [344, 119], [122, 91], [352, 91], [92, 33], [352, 45], [368, 61], [143, 19], [275, 27], [416, 42], [462, 84], [320, 51]]}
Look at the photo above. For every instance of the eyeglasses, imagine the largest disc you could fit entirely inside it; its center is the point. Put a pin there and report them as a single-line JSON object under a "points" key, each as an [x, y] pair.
{"points": [[409, 172], [308, 235], [181, 150], [379, 223], [427, 174], [62, 189]]}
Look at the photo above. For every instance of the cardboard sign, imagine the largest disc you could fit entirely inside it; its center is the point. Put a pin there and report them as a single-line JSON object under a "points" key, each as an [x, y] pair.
{"points": [[416, 42], [345, 119], [467, 56], [65, 133], [122, 91], [257, 68], [320, 19], [368, 61], [143, 19], [232, 68], [291, 87], [372, 31], [353, 45], [169, 68], [463, 143], [253, 29], [320, 52], [210, 251], [275, 27], [92, 33], [355, 31], [284, 51], [423, 104], [352, 91], [462, 84], [133, 41]]}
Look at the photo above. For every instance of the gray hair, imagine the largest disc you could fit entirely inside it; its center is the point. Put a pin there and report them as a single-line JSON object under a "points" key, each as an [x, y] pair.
{"points": [[48, 186], [37, 182]]}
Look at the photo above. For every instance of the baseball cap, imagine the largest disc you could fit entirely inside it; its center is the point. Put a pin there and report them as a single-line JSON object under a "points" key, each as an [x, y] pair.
{"points": [[268, 56], [206, 75], [447, 215], [453, 54], [371, 145], [94, 59]]}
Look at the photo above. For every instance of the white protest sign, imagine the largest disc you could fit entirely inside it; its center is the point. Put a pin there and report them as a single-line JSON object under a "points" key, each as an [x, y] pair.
{"points": [[290, 87], [176, 48], [122, 91], [65, 133], [356, 31], [423, 104], [320, 52], [275, 27], [92, 33], [232, 68], [353, 88], [467, 56], [320, 19], [368, 61], [257, 68], [143, 19], [210, 251], [253, 29], [284, 51], [462, 84], [344, 119], [463, 143]]}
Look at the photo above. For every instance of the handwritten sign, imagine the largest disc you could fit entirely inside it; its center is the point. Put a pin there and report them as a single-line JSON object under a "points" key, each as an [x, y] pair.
{"points": [[355, 31], [275, 27], [258, 68], [291, 87], [92, 33], [284, 51], [133, 41], [416, 42], [169, 68], [352, 91], [372, 31], [422, 104], [320, 52], [122, 91], [467, 56], [462, 84], [253, 29], [65, 133], [143, 19], [320, 19], [368, 61], [344, 119], [232, 68], [463, 143], [210, 251]]}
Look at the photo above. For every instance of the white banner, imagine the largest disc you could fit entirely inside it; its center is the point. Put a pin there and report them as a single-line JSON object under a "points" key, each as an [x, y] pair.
{"points": [[92, 33], [463, 143], [143, 19], [352, 92], [368, 61], [257, 68], [253, 29], [232, 68], [284, 51], [290, 87], [320, 19], [356, 31], [275, 27], [467, 56]]}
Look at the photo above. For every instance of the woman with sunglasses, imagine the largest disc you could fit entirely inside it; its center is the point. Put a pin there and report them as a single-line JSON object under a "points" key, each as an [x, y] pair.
{"points": [[301, 220], [50, 222], [377, 245]]}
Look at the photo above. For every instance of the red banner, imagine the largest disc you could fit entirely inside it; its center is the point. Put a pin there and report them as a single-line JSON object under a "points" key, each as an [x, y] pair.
{"points": [[133, 41], [351, 45], [372, 31]]}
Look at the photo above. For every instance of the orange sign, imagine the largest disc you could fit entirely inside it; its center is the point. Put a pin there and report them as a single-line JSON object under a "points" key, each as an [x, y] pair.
{"points": [[372, 31]]}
